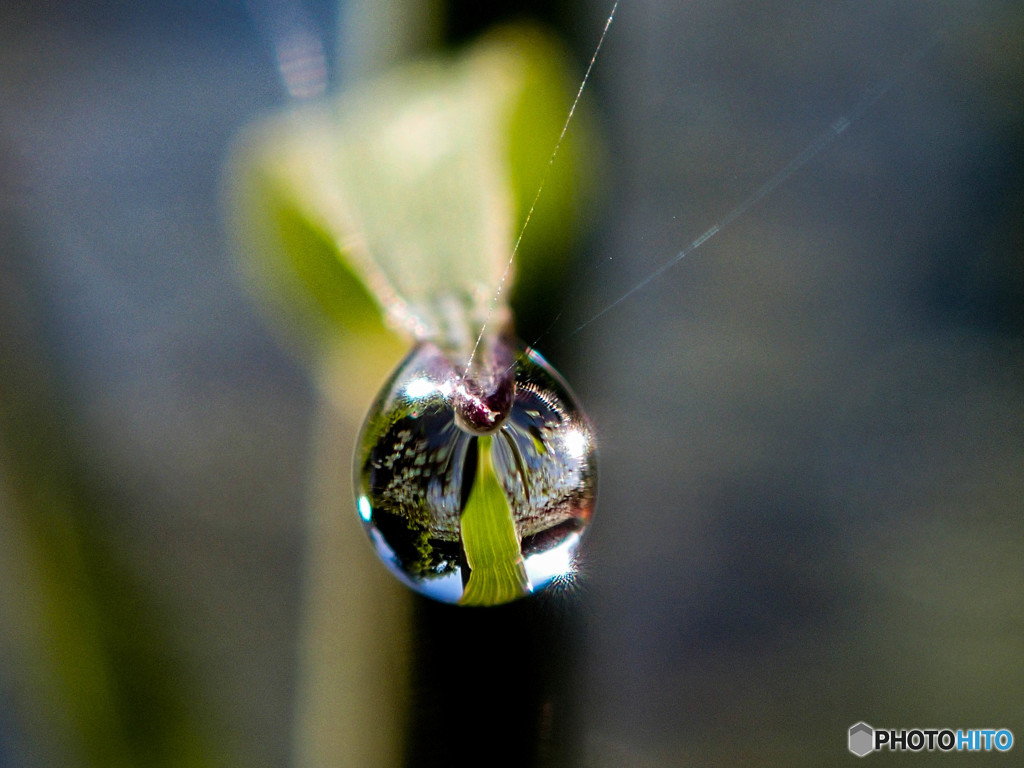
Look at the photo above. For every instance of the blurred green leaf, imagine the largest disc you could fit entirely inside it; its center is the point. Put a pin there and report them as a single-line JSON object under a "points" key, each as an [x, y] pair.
{"points": [[402, 199]]}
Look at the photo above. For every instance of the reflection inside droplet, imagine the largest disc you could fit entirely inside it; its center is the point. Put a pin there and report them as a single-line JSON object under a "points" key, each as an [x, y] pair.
{"points": [[467, 515], [418, 388], [364, 509]]}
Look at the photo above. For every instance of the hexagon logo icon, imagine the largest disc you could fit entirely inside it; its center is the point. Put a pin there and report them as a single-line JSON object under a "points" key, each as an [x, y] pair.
{"points": [[862, 737]]}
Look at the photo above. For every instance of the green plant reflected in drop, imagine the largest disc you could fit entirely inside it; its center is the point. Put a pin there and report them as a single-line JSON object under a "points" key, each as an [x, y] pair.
{"points": [[476, 486]]}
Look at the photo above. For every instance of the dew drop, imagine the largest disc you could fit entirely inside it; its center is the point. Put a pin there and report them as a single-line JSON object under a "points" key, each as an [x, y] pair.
{"points": [[467, 514]]}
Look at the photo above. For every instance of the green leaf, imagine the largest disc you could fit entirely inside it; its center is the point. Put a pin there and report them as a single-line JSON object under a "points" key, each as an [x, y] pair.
{"points": [[490, 539], [395, 207]]}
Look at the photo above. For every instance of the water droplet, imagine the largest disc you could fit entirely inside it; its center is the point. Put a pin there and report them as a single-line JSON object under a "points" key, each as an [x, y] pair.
{"points": [[475, 510]]}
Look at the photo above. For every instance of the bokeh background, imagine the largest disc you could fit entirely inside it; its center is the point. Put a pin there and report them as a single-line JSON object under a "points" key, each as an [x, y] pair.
{"points": [[812, 428]]}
